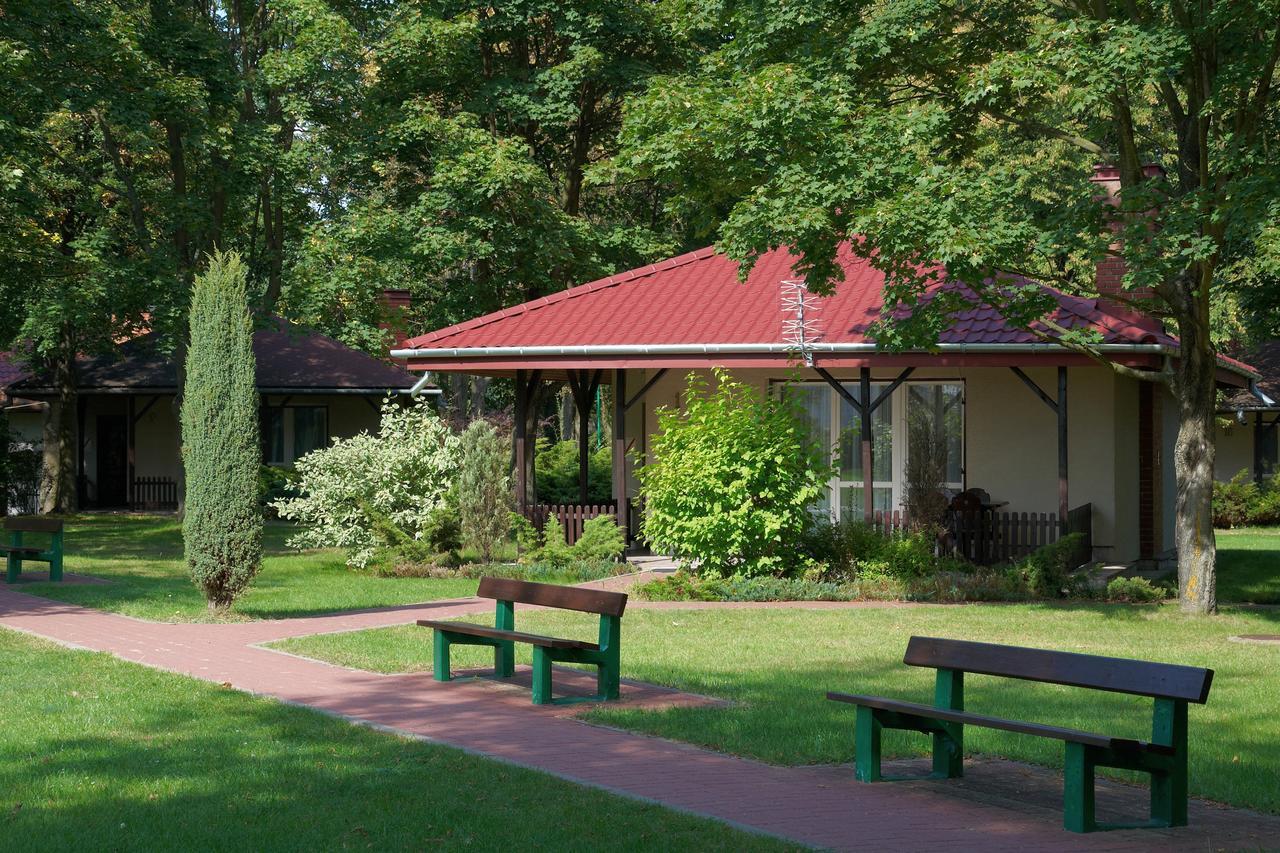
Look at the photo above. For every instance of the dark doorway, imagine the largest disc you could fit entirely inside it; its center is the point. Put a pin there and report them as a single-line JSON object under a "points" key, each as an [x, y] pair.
{"points": [[113, 461]]}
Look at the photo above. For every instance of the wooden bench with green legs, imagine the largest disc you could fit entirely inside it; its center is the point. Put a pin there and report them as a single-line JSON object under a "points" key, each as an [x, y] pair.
{"points": [[604, 654], [1171, 686], [18, 550]]}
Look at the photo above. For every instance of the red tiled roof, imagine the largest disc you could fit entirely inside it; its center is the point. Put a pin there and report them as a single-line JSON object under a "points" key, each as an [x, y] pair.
{"points": [[697, 299]]}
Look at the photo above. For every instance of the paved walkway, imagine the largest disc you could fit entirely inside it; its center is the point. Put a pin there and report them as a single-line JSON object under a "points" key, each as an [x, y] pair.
{"points": [[1001, 806]]}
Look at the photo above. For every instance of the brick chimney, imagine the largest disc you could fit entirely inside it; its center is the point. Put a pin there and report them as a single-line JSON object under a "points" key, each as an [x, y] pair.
{"points": [[395, 315], [1111, 269]]}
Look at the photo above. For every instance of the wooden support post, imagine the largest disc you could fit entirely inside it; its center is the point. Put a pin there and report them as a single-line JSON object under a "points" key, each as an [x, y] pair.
{"points": [[620, 453], [1062, 451], [868, 491], [584, 392], [521, 443], [130, 429]]}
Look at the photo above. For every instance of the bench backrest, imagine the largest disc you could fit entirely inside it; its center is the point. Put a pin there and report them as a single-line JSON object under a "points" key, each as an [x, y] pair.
{"points": [[1119, 675], [554, 595], [33, 524]]}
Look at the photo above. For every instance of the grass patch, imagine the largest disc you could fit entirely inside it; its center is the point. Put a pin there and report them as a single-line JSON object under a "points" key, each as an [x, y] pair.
{"points": [[108, 755], [142, 557], [777, 664], [1249, 565]]}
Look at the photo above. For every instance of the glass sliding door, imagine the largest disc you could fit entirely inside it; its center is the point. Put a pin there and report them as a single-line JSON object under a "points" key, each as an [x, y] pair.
{"points": [[920, 419]]}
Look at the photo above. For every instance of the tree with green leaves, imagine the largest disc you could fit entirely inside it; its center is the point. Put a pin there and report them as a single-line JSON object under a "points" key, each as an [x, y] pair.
{"points": [[484, 488], [221, 453], [965, 132]]}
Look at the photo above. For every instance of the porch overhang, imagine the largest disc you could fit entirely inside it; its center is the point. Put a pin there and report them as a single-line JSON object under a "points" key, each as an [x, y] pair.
{"points": [[557, 361]]}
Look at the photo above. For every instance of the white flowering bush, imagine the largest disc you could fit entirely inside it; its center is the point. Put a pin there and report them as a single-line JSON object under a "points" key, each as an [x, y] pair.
{"points": [[352, 490]]}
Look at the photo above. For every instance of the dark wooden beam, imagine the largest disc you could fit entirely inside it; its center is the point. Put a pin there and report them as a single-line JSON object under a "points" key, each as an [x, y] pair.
{"points": [[1061, 410], [644, 388], [584, 388], [520, 438], [140, 415], [844, 392], [130, 430], [868, 491], [1035, 389], [893, 386], [620, 452]]}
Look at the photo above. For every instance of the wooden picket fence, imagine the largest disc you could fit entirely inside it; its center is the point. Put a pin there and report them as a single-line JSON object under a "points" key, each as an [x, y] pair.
{"points": [[990, 537], [152, 494], [573, 517]]}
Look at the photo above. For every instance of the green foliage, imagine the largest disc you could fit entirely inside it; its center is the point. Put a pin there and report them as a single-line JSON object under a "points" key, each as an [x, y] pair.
{"points": [[1048, 571], [555, 549], [525, 533], [442, 532], [275, 484], [1135, 591], [556, 465], [850, 549], [484, 488], [732, 480], [355, 492], [1244, 502], [602, 539], [222, 526]]}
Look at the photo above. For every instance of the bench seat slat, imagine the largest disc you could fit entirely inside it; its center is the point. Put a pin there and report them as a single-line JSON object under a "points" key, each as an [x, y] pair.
{"points": [[498, 634], [983, 721], [33, 524], [1118, 675]]}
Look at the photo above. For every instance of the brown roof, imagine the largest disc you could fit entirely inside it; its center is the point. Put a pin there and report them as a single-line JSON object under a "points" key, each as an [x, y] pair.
{"points": [[290, 360], [1266, 360]]}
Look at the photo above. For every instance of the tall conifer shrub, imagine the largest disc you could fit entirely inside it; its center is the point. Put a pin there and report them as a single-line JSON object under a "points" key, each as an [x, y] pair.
{"points": [[222, 529]]}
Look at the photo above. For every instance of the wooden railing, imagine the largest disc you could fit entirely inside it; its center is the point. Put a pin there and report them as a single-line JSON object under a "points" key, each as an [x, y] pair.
{"points": [[152, 494], [572, 516], [987, 537]]}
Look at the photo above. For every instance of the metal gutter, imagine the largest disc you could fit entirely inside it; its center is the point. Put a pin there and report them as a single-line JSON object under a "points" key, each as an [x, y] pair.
{"points": [[770, 348]]}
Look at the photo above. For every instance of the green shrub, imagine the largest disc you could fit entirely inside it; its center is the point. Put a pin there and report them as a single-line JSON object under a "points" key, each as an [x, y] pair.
{"points": [[1233, 500], [275, 484], [401, 476], [1243, 501], [442, 531], [601, 539], [851, 549], [732, 480], [1134, 590], [1048, 573], [525, 533], [484, 488], [556, 473], [222, 525]]}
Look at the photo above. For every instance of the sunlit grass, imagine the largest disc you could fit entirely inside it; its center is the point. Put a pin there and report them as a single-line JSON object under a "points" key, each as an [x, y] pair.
{"points": [[142, 557], [100, 754], [777, 664], [1249, 565]]}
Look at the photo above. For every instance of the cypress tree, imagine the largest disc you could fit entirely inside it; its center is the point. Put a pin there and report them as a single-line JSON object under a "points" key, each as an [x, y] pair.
{"points": [[222, 528]]}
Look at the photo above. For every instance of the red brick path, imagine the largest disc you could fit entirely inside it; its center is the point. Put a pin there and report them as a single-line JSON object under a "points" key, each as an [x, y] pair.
{"points": [[819, 805]]}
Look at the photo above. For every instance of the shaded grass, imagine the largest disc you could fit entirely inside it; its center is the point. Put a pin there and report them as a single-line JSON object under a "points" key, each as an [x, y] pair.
{"points": [[777, 664], [1249, 565], [107, 755], [142, 557]]}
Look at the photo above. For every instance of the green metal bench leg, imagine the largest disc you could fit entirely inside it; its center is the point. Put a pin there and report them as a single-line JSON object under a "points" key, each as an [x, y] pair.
{"points": [[1169, 788], [608, 679], [866, 745], [440, 661], [55, 567], [504, 659], [541, 676], [948, 752], [1077, 789], [14, 566]]}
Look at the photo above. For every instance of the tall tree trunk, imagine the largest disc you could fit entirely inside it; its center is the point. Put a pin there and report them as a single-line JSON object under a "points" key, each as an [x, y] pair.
{"points": [[1195, 389]]}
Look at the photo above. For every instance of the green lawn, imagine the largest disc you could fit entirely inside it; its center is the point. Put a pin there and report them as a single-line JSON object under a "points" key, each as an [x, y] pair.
{"points": [[777, 664], [142, 557], [100, 754], [1249, 565]]}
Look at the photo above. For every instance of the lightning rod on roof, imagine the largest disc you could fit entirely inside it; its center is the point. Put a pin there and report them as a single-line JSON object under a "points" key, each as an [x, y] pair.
{"points": [[800, 329]]}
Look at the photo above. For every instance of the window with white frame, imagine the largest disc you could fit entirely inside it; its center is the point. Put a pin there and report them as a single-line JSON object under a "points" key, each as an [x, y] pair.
{"points": [[291, 432], [928, 415]]}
